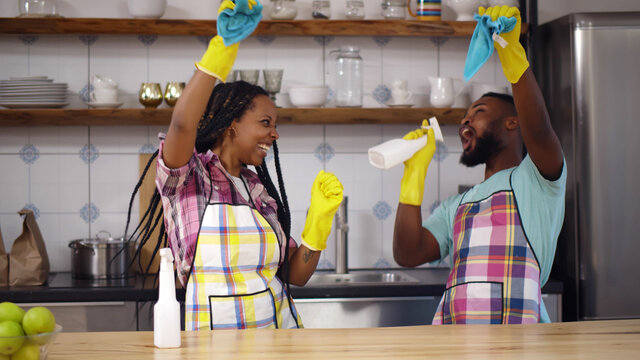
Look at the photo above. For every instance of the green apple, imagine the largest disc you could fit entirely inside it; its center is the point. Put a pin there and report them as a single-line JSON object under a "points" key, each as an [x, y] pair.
{"points": [[38, 320], [29, 351], [4, 357], [11, 311], [11, 337]]}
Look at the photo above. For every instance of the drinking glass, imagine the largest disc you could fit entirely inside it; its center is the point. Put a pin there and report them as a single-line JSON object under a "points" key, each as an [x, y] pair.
{"points": [[272, 82], [150, 95], [173, 92], [250, 76]]}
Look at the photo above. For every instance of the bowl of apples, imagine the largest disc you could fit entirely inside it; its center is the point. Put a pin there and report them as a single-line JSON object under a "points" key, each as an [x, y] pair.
{"points": [[26, 335]]}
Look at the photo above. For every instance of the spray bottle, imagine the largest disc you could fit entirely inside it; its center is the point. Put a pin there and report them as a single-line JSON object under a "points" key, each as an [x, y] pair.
{"points": [[166, 312], [395, 151]]}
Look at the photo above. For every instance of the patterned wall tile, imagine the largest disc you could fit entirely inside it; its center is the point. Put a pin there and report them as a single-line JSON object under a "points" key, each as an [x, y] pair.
{"points": [[382, 94], [89, 154], [324, 152], [29, 154], [89, 212]]}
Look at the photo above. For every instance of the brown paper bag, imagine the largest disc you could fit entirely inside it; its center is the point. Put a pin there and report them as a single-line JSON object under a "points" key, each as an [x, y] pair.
{"points": [[28, 260], [4, 264]]}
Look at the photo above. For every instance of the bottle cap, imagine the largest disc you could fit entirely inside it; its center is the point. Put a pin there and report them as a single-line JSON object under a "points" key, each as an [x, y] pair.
{"points": [[166, 255]]}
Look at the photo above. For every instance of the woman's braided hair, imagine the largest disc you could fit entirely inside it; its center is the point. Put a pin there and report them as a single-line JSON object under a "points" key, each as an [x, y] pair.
{"points": [[227, 103]]}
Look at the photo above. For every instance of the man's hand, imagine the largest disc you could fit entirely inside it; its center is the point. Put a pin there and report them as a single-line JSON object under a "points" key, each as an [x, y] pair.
{"points": [[326, 196], [415, 168], [512, 57]]}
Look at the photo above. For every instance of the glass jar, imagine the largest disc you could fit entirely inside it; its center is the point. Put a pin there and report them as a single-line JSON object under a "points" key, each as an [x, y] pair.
{"points": [[37, 8], [355, 9], [321, 9], [283, 9], [349, 77], [394, 9]]}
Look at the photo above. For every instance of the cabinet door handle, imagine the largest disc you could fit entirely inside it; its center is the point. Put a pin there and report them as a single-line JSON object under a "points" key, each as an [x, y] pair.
{"points": [[363, 299], [61, 304]]}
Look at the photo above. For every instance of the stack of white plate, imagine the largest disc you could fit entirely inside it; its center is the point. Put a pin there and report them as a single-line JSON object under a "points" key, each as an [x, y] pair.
{"points": [[32, 92]]}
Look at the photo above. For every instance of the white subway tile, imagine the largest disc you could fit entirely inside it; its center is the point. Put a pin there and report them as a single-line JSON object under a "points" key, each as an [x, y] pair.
{"points": [[12, 139], [352, 138], [113, 178], [119, 139], [59, 183], [361, 181], [14, 184]]}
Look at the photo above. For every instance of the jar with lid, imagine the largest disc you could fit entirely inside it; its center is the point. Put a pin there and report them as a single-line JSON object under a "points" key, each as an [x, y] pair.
{"points": [[394, 9], [283, 9], [321, 9], [355, 9], [349, 77]]}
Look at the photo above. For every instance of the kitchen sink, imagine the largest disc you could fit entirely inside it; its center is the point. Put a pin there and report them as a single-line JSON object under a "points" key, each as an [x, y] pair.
{"points": [[359, 278]]}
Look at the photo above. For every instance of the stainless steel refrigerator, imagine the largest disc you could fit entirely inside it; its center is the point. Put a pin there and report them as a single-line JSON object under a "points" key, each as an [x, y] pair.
{"points": [[589, 68]]}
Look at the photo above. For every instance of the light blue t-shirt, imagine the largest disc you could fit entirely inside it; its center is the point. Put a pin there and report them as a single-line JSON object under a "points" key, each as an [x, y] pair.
{"points": [[540, 203]]}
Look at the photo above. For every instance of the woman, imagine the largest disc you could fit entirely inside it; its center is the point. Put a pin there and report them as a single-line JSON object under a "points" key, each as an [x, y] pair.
{"points": [[227, 226]]}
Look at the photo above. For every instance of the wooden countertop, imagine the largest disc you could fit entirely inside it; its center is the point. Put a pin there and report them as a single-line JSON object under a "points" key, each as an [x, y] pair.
{"points": [[619, 339]]}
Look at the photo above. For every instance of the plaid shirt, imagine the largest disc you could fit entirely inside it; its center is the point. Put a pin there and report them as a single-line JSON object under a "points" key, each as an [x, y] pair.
{"points": [[185, 192]]}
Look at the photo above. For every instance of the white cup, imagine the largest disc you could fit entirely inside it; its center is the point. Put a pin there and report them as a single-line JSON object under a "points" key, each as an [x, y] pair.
{"points": [[401, 96], [400, 84], [103, 82], [104, 95]]}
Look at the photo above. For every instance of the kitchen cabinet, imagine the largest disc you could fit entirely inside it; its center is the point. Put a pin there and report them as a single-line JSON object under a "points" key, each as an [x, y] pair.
{"points": [[91, 117], [385, 311], [92, 316]]}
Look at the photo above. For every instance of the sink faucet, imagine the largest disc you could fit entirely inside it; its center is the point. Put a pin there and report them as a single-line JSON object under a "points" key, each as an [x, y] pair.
{"points": [[342, 228]]}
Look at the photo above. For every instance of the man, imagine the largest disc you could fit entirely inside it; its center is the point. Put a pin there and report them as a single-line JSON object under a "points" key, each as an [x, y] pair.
{"points": [[501, 234]]}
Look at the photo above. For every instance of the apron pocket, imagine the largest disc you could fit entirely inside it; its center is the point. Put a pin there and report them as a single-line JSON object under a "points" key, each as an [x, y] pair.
{"points": [[248, 311], [473, 303]]}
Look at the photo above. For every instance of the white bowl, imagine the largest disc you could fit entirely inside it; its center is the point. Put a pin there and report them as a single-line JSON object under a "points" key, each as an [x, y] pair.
{"points": [[465, 9], [149, 9], [308, 96], [515, 3]]}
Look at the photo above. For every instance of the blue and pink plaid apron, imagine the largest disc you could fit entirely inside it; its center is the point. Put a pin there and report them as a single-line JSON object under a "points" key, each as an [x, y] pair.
{"points": [[233, 282], [495, 277]]}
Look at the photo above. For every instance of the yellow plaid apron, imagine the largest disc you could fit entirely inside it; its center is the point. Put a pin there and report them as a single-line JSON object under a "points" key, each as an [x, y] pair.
{"points": [[233, 283]]}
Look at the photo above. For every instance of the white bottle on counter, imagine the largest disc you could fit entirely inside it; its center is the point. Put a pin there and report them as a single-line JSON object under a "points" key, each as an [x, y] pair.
{"points": [[393, 152], [166, 312]]}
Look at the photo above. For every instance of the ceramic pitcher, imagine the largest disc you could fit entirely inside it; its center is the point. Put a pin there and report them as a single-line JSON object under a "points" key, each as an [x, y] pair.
{"points": [[442, 91]]}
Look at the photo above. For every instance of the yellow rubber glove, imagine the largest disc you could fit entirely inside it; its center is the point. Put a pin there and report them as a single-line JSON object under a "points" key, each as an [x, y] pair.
{"points": [[326, 196], [415, 168], [512, 57], [218, 60]]}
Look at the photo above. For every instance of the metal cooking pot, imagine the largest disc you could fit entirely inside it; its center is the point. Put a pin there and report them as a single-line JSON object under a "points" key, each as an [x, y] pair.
{"points": [[101, 257]]}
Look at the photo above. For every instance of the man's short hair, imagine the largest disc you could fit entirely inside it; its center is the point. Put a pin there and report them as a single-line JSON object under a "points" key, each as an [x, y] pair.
{"points": [[504, 97]]}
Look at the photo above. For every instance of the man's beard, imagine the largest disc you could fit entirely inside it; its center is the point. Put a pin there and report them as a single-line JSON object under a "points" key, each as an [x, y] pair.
{"points": [[486, 146]]}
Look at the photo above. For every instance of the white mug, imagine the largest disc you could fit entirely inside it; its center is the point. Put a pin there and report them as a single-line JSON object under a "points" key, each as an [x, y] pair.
{"points": [[104, 95]]}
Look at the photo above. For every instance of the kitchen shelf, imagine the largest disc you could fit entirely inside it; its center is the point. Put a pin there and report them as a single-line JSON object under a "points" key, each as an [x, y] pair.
{"points": [[85, 26], [297, 116]]}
